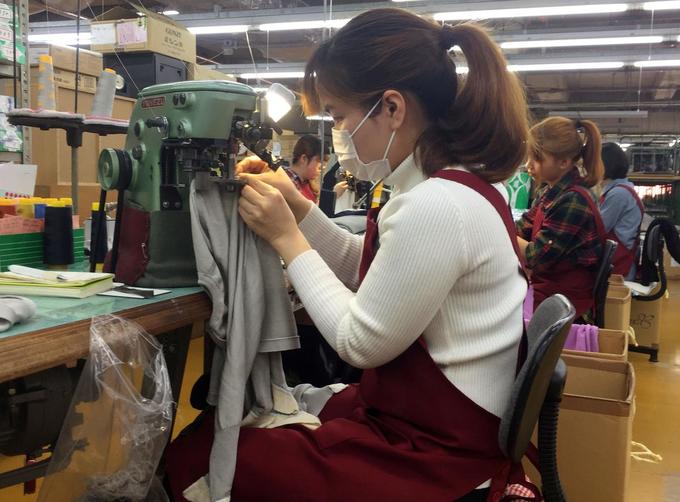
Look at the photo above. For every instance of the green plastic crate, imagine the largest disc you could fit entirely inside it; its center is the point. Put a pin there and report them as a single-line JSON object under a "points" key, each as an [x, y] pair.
{"points": [[27, 249]]}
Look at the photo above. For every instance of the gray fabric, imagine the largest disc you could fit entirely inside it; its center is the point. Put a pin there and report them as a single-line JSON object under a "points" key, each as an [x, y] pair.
{"points": [[15, 309], [251, 321]]}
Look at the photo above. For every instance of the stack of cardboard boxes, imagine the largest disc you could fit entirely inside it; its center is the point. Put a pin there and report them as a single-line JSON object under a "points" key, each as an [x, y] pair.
{"points": [[597, 410], [49, 149], [10, 136], [7, 30], [147, 50]]}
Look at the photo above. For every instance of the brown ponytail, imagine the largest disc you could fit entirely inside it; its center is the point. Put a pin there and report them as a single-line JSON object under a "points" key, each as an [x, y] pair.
{"points": [[483, 125], [564, 138]]}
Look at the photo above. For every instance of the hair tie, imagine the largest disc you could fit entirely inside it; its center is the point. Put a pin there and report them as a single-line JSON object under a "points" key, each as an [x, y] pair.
{"points": [[447, 38]]}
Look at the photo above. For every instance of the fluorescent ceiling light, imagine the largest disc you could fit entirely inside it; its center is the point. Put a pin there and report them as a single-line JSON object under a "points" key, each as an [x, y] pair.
{"points": [[61, 38], [317, 118], [661, 5], [581, 42], [218, 29], [170, 12], [562, 10], [661, 63], [304, 25], [273, 74], [565, 66], [625, 145]]}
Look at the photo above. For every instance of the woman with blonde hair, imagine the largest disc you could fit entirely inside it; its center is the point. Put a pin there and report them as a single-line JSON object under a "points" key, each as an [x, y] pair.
{"points": [[562, 235]]}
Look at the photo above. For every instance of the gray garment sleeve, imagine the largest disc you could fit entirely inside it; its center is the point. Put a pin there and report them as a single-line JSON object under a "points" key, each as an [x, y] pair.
{"points": [[251, 321]]}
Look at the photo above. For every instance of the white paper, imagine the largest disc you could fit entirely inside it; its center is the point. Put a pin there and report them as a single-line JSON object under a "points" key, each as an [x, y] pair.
{"points": [[17, 180], [130, 33], [103, 34]]}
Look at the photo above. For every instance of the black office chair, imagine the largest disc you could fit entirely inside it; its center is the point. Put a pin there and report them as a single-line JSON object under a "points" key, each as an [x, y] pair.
{"points": [[602, 281], [537, 392], [652, 268]]}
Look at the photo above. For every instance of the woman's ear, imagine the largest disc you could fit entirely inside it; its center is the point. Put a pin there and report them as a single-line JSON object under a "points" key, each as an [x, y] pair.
{"points": [[394, 108]]}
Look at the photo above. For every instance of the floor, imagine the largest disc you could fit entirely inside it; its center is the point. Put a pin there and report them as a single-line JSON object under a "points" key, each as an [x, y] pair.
{"points": [[657, 422]]}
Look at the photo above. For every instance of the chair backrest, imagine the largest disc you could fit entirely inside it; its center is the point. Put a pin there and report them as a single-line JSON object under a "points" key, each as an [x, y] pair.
{"points": [[652, 267], [546, 334], [602, 280], [653, 245]]}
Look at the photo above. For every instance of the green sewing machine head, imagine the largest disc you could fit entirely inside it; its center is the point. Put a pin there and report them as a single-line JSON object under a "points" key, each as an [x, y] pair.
{"points": [[178, 133]]}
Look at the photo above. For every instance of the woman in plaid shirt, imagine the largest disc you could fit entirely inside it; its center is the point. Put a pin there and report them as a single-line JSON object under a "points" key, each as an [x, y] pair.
{"points": [[562, 235]]}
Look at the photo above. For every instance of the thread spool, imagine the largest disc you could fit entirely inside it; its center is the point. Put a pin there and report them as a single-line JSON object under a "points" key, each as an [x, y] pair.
{"points": [[25, 208], [46, 93], [58, 236], [39, 210], [102, 105]]}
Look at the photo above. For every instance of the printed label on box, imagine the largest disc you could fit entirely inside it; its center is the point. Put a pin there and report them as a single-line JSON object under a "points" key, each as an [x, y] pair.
{"points": [[131, 32], [103, 34], [6, 34]]}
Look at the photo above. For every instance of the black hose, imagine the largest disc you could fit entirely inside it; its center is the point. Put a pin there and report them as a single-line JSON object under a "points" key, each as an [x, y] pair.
{"points": [[547, 448]]}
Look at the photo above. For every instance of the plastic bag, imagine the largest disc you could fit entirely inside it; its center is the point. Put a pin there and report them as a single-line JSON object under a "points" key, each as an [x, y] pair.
{"points": [[119, 420]]}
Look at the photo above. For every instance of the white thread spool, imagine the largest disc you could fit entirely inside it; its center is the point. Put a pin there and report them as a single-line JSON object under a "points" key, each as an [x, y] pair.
{"points": [[102, 104], [46, 95]]}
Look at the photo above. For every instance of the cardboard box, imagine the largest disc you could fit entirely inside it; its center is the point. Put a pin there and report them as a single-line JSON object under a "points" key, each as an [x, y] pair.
{"points": [[11, 137], [617, 308], [7, 52], [6, 18], [53, 156], [613, 346], [617, 280], [201, 72], [595, 430], [65, 58], [150, 33], [67, 80], [645, 318]]}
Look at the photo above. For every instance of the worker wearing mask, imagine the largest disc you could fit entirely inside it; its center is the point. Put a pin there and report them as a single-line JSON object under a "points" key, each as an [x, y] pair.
{"points": [[306, 166], [429, 302], [562, 235], [621, 209]]}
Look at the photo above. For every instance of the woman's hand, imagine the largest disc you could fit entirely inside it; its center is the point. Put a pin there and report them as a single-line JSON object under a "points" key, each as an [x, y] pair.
{"points": [[340, 188], [280, 180], [266, 212]]}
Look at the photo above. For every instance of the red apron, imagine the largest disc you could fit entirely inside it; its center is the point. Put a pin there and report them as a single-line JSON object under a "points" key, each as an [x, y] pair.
{"points": [[625, 257], [404, 434], [573, 281]]}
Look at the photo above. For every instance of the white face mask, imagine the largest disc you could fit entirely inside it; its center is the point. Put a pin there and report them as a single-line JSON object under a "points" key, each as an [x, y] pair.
{"points": [[349, 158]]}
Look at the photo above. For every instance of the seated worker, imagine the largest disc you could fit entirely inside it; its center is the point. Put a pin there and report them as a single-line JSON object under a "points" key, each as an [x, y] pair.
{"points": [[621, 210], [562, 235], [430, 304], [306, 165]]}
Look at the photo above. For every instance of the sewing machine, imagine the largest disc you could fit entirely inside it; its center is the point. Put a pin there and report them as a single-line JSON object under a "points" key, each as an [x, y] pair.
{"points": [[178, 133]]}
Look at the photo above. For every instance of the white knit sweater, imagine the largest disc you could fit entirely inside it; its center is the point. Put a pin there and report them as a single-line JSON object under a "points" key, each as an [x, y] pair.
{"points": [[445, 269]]}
